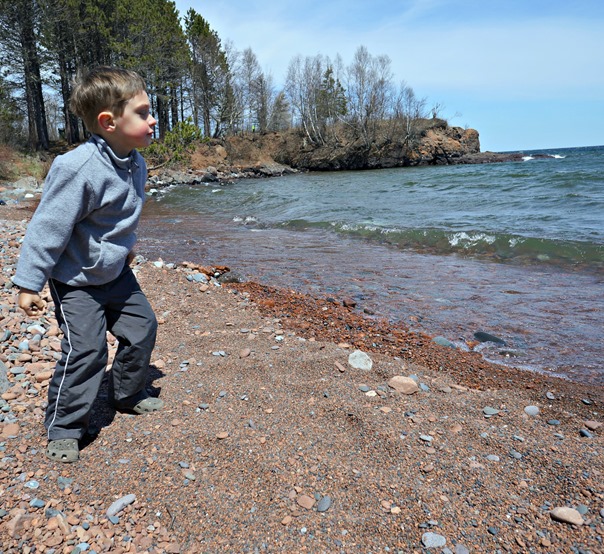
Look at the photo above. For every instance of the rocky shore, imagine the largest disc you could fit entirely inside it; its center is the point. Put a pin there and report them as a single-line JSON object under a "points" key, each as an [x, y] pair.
{"points": [[294, 424]]}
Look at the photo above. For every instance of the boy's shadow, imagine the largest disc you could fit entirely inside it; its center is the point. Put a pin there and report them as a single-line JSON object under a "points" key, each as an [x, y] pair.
{"points": [[103, 413]]}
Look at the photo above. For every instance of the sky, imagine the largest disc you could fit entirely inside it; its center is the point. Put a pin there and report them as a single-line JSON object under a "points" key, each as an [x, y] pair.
{"points": [[526, 74]]}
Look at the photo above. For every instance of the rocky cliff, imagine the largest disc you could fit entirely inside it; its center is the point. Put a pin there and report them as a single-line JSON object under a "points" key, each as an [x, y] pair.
{"points": [[434, 142]]}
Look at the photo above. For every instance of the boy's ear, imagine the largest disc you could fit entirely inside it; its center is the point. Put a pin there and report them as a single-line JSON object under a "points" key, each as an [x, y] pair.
{"points": [[105, 121]]}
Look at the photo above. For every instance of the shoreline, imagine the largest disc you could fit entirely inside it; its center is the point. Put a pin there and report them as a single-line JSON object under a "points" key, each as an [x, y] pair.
{"points": [[273, 440]]}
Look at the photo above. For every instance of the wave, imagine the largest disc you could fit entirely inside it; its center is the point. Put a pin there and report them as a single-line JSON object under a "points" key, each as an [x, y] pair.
{"points": [[473, 243]]}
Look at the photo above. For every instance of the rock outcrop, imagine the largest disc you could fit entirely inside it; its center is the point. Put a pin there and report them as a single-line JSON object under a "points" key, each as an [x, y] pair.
{"points": [[431, 142]]}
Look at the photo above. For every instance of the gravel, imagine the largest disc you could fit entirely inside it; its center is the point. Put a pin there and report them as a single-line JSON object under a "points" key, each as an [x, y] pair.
{"points": [[281, 450]]}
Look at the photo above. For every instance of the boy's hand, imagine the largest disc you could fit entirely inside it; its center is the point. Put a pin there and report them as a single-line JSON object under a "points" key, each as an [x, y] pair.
{"points": [[31, 303]]}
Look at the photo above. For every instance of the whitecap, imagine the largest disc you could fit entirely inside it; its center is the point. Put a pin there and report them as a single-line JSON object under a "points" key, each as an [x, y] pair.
{"points": [[470, 240], [527, 158]]}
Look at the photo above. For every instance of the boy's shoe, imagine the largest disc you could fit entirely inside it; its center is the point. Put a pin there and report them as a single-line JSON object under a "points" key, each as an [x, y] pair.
{"points": [[140, 404], [63, 450]]}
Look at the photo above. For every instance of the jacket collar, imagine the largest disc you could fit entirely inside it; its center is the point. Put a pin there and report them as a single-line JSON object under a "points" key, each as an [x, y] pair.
{"points": [[122, 163]]}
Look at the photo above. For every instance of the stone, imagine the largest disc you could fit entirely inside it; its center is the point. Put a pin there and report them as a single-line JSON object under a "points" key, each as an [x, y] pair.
{"points": [[4, 382], [43, 376], [433, 540], [566, 515], [305, 501], [10, 430], [120, 504], [442, 341], [360, 360], [340, 367], [592, 425], [244, 353], [404, 385], [324, 504], [531, 410], [487, 337]]}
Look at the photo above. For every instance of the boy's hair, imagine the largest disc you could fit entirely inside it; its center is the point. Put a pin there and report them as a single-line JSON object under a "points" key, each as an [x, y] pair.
{"points": [[104, 88]]}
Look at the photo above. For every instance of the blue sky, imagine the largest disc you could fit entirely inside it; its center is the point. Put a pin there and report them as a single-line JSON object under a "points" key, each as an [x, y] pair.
{"points": [[525, 74]]}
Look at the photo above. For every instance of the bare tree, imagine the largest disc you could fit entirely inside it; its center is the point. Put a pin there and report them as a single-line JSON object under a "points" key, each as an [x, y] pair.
{"points": [[369, 91]]}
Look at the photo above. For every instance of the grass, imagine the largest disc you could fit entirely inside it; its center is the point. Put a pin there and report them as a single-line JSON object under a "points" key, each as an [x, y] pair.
{"points": [[15, 164]]}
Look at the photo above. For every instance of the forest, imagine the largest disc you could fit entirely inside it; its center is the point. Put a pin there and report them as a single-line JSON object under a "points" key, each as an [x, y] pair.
{"points": [[194, 79]]}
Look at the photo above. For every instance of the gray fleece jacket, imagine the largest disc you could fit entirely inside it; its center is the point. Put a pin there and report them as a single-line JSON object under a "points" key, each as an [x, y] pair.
{"points": [[84, 227]]}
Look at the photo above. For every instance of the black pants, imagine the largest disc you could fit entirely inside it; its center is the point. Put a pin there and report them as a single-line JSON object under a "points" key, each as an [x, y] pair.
{"points": [[85, 314]]}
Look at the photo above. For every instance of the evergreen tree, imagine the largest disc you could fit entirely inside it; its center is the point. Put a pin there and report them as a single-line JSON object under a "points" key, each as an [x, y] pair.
{"points": [[20, 52], [210, 75]]}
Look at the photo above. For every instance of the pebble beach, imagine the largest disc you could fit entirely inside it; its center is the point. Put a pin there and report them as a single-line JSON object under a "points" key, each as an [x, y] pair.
{"points": [[294, 424]]}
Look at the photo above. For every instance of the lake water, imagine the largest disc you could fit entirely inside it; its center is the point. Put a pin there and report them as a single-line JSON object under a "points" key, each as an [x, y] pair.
{"points": [[514, 249]]}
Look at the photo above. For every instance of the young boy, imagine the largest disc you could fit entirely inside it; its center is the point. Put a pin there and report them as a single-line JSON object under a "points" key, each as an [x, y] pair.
{"points": [[79, 241]]}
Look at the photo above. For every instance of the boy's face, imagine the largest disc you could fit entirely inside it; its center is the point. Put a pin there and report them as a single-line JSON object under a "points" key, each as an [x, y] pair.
{"points": [[132, 129]]}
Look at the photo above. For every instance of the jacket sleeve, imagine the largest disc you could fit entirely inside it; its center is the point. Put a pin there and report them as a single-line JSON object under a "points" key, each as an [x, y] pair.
{"points": [[66, 199]]}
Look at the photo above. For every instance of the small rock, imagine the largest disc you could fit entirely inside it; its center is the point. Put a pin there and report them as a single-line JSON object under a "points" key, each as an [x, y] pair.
{"points": [[442, 341], [404, 385], [582, 509], [487, 337], [531, 410], [305, 501], [120, 504], [10, 430], [592, 425], [360, 360], [433, 540], [222, 435], [324, 504], [567, 515], [488, 411]]}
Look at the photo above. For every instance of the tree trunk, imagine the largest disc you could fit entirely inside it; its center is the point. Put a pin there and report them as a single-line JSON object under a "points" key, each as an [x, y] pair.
{"points": [[38, 130]]}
